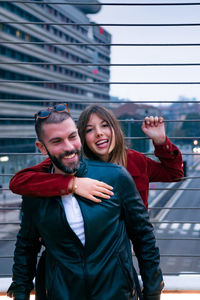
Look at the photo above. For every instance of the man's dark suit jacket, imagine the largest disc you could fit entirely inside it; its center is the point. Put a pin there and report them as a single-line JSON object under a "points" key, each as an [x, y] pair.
{"points": [[103, 268]]}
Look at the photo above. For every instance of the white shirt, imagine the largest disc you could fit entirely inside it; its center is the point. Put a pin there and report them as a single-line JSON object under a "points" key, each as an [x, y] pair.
{"points": [[74, 216]]}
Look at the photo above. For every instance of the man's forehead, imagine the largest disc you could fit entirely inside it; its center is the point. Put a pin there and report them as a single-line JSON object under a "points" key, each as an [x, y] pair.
{"points": [[65, 127]]}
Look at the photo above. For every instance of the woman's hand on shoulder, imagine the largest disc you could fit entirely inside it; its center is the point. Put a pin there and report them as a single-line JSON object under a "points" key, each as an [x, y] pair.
{"points": [[91, 189]]}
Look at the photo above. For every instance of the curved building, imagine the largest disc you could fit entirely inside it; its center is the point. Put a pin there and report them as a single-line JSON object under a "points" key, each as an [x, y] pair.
{"points": [[39, 45]]}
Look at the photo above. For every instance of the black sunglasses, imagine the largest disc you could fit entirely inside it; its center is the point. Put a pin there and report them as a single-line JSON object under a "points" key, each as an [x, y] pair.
{"points": [[43, 114]]}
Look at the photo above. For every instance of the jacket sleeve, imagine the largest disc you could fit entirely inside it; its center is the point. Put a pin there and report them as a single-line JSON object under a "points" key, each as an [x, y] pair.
{"points": [[170, 167], [140, 232], [36, 181], [25, 257]]}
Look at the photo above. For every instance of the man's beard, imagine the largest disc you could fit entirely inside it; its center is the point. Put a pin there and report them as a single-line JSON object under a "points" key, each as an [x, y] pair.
{"points": [[72, 167]]}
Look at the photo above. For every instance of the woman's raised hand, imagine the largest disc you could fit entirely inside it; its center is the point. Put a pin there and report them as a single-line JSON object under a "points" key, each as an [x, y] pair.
{"points": [[154, 128], [91, 189]]}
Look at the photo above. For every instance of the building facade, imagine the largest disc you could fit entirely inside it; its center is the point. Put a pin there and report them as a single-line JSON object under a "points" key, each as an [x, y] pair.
{"points": [[51, 48], [41, 62]]}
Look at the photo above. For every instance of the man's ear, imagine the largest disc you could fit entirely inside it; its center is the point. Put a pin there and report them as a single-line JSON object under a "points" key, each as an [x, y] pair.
{"points": [[41, 147]]}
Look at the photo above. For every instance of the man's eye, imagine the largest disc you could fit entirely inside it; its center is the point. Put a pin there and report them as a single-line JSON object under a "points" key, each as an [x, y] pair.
{"points": [[56, 142]]}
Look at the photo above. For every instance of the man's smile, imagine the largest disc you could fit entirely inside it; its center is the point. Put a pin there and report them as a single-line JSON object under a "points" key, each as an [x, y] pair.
{"points": [[69, 156]]}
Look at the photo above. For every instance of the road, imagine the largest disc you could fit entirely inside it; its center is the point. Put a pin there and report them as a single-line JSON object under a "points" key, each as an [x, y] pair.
{"points": [[8, 230], [179, 240]]}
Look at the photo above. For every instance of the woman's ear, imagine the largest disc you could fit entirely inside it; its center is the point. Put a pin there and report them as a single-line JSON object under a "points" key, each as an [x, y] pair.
{"points": [[41, 147]]}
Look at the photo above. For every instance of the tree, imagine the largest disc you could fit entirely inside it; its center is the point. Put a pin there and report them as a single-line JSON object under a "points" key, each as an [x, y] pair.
{"points": [[189, 129], [133, 129]]}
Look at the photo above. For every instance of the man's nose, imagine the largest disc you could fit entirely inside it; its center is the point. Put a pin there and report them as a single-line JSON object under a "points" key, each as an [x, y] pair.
{"points": [[68, 146]]}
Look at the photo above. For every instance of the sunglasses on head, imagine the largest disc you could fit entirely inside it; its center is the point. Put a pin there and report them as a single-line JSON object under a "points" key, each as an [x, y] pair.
{"points": [[43, 114]]}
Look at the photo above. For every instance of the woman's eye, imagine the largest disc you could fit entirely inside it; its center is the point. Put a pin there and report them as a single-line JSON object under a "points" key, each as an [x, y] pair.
{"points": [[105, 125], [88, 130]]}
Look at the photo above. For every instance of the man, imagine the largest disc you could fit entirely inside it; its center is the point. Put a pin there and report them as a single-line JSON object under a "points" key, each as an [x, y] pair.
{"points": [[88, 254]]}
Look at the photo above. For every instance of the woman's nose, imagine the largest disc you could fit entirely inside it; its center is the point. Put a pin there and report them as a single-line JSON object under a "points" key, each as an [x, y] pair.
{"points": [[99, 132]]}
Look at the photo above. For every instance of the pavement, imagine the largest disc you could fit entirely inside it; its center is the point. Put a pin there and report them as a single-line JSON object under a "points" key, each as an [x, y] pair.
{"points": [[163, 297], [175, 291]]}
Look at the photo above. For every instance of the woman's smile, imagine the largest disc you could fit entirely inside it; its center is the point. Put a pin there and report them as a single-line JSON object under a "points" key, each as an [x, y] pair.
{"points": [[103, 143]]}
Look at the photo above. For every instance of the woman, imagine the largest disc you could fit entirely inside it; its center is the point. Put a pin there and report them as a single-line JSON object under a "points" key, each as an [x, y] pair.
{"points": [[102, 138]]}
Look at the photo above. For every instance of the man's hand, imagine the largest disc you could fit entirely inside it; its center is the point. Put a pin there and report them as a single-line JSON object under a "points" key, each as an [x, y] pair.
{"points": [[154, 128], [91, 188]]}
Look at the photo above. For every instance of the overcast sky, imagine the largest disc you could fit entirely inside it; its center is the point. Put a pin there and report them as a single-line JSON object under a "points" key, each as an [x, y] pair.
{"points": [[153, 14]]}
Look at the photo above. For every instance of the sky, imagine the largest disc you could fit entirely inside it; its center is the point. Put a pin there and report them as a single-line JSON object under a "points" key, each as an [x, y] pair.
{"points": [[153, 14]]}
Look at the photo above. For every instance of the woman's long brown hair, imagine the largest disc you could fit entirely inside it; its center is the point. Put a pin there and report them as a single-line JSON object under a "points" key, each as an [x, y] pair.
{"points": [[118, 154]]}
